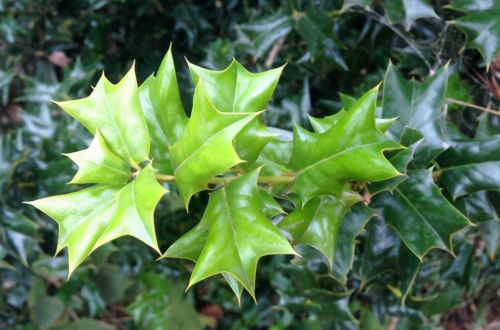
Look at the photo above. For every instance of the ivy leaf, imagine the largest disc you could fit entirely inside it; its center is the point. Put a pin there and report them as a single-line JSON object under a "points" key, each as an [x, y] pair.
{"points": [[237, 90], [325, 162], [94, 216], [419, 106], [115, 110], [317, 223], [209, 132], [471, 166], [420, 214], [351, 226], [98, 164], [483, 31], [162, 107], [239, 234]]}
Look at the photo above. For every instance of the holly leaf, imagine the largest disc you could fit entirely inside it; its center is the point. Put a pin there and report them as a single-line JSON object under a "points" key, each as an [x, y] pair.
{"points": [[317, 223], [383, 252], [162, 107], [115, 110], [420, 214], [483, 30], [259, 36], [408, 11], [351, 226], [239, 234], [315, 27], [352, 149], [209, 132], [471, 166], [418, 105], [237, 90], [95, 216], [471, 5], [98, 164]]}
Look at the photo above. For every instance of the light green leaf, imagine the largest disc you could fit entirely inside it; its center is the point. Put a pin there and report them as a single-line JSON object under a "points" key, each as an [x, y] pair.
{"points": [[235, 89], [483, 31], [318, 223], [115, 110], [418, 105], [164, 113], [239, 234], [98, 164], [352, 149], [420, 214], [321, 125], [206, 148], [94, 216], [471, 166]]}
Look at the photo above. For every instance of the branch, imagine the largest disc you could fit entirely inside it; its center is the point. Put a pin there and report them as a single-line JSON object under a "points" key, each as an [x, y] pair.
{"points": [[266, 180], [474, 106]]}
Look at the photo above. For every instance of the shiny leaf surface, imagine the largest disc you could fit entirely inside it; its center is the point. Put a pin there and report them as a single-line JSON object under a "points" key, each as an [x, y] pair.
{"points": [[209, 132], [163, 111], [471, 166], [419, 106], [325, 162], [115, 110], [318, 223], [98, 164], [239, 234], [104, 213], [420, 214]]}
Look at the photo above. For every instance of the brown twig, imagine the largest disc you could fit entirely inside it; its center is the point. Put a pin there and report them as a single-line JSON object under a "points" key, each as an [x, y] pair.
{"points": [[474, 106], [274, 52]]}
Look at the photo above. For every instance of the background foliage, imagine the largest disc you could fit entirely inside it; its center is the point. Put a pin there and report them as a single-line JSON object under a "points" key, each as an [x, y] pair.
{"points": [[55, 50]]}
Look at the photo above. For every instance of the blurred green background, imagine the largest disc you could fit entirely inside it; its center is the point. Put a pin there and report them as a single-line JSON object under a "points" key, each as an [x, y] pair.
{"points": [[56, 50]]}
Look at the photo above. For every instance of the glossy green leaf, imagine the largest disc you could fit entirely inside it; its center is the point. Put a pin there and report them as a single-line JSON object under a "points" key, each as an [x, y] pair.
{"points": [[98, 164], [275, 157], [418, 105], [325, 162], [471, 166], [383, 252], [318, 222], [408, 11], [483, 31], [316, 28], [420, 214], [164, 113], [209, 132], [115, 110], [239, 234], [490, 232], [237, 90], [351, 226], [471, 5], [94, 216], [260, 35]]}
